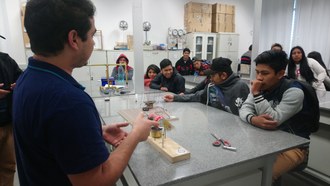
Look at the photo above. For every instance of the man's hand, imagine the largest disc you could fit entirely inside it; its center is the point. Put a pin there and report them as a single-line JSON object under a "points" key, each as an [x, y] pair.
{"points": [[164, 89], [264, 121], [256, 87], [113, 134], [12, 86], [3, 93], [169, 97], [142, 127]]}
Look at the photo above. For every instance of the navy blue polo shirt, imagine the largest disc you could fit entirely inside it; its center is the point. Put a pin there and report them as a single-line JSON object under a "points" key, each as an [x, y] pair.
{"points": [[57, 128]]}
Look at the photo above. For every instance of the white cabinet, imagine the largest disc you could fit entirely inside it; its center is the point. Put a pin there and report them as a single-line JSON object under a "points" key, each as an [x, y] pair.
{"points": [[202, 44], [227, 46], [174, 55], [154, 57]]}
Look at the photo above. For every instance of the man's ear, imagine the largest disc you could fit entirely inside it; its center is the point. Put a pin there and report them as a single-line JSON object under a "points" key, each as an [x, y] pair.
{"points": [[73, 39], [224, 75], [280, 74]]}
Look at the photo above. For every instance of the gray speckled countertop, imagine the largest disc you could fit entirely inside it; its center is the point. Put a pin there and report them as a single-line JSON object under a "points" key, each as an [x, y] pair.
{"points": [[324, 100], [192, 131], [93, 89], [194, 79]]}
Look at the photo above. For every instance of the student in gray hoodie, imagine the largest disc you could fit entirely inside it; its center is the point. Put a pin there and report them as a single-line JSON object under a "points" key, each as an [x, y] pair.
{"points": [[226, 90]]}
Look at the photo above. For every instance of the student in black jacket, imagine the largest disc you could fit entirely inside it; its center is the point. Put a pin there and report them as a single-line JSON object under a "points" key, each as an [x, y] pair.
{"points": [[185, 65], [168, 79]]}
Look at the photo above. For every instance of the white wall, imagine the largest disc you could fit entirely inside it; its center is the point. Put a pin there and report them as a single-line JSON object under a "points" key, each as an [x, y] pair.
{"points": [[10, 27], [161, 14]]}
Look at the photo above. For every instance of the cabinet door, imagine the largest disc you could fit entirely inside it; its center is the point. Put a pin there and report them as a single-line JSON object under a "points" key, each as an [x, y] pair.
{"points": [[199, 46], [154, 57], [227, 42], [175, 55], [233, 56], [195, 42], [210, 47]]}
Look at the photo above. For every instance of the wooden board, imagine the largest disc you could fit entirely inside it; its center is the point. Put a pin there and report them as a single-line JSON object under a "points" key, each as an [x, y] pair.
{"points": [[171, 150]]}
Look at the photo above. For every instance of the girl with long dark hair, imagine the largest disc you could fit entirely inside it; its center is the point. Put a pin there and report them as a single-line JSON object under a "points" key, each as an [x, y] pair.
{"points": [[151, 73], [306, 69]]}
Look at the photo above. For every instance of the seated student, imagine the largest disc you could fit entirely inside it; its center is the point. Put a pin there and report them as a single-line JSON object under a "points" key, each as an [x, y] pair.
{"points": [[226, 92], [306, 69], [246, 57], [184, 65], [151, 73], [276, 47], [276, 102], [168, 80], [317, 56], [199, 66], [122, 59]]}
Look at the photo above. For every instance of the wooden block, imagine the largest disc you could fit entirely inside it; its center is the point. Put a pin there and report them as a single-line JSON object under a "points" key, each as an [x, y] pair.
{"points": [[171, 150]]}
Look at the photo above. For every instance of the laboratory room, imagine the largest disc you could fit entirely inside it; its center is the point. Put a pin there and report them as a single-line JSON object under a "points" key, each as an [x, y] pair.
{"points": [[175, 92]]}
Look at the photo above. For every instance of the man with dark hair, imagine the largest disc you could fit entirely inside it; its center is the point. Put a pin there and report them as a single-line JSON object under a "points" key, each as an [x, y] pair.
{"points": [[59, 139], [276, 47], [226, 90], [279, 103], [184, 65], [168, 80], [9, 73]]}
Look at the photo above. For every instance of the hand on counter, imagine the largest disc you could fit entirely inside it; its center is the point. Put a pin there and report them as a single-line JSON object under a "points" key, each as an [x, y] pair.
{"points": [[169, 97], [264, 121]]}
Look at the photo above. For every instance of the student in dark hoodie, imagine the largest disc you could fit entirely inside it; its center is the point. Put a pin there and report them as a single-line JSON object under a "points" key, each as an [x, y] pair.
{"points": [[185, 65], [122, 59], [168, 80], [226, 90]]}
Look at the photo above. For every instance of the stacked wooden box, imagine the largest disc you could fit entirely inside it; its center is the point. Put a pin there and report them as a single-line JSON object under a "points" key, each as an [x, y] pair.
{"points": [[223, 18], [198, 17]]}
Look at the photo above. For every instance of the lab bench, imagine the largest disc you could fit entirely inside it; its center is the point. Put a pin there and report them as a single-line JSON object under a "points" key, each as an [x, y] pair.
{"points": [[251, 164]]}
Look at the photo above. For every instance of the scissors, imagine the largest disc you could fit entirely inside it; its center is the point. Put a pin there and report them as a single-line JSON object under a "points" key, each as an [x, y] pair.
{"points": [[225, 143]]}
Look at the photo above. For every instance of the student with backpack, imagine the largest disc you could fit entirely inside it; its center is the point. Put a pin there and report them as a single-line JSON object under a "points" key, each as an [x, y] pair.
{"points": [[276, 102]]}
